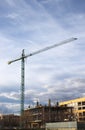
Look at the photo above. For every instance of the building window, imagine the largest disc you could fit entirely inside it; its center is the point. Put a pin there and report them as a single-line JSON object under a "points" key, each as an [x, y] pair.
{"points": [[79, 103], [83, 103]]}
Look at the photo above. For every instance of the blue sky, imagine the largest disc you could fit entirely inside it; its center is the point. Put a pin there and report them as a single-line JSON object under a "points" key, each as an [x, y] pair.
{"points": [[57, 74]]}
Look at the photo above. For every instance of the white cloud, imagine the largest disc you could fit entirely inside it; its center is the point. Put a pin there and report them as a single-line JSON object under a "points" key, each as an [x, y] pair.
{"points": [[11, 95]]}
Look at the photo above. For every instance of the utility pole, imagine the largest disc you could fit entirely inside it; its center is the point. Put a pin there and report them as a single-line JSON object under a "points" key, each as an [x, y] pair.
{"points": [[22, 58]]}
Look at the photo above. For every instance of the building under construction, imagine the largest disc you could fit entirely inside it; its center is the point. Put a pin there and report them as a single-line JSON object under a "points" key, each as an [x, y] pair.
{"points": [[40, 115]]}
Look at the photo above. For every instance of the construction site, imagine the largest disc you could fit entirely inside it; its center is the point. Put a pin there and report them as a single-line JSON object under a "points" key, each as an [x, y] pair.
{"points": [[42, 116], [22, 59], [42, 63], [38, 116]]}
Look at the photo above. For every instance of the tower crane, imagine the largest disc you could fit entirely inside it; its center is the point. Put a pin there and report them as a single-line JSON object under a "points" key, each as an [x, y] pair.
{"points": [[22, 58]]}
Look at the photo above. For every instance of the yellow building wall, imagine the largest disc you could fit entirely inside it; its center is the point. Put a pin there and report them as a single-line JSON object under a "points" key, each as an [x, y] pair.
{"points": [[74, 103]]}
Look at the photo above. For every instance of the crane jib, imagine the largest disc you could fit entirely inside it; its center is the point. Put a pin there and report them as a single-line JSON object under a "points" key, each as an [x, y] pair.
{"points": [[42, 50], [50, 47]]}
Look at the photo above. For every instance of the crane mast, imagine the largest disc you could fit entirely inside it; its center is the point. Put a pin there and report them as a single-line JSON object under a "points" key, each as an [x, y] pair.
{"points": [[22, 81], [22, 58]]}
